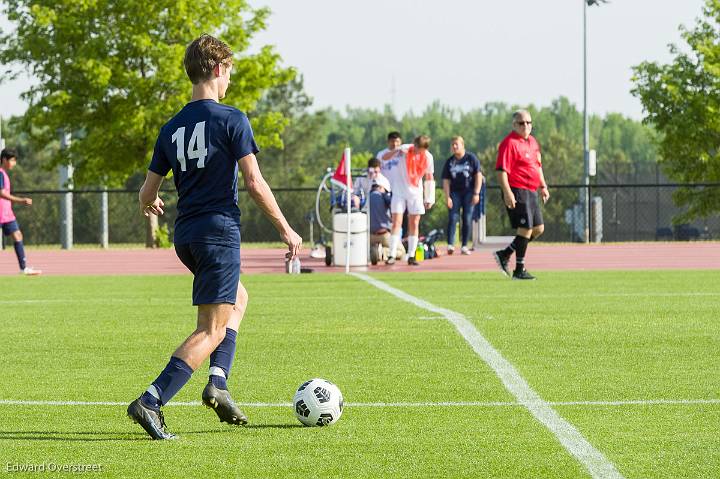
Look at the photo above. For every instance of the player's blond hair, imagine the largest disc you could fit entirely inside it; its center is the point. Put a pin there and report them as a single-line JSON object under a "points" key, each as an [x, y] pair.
{"points": [[458, 139], [422, 141], [203, 55]]}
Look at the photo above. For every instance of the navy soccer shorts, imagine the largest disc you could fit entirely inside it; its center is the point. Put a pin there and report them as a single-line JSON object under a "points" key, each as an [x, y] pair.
{"points": [[216, 269], [10, 227], [526, 213]]}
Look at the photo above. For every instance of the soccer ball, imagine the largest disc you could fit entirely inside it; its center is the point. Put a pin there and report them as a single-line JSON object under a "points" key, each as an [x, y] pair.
{"points": [[318, 402]]}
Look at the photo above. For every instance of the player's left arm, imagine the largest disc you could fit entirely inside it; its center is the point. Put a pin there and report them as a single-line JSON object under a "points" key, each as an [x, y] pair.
{"points": [[429, 183], [478, 186], [544, 192], [263, 196], [150, 202], [5, 194]]}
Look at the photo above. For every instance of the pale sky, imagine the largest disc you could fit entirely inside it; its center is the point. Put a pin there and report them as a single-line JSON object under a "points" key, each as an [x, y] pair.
{"points": [[463, 53]]}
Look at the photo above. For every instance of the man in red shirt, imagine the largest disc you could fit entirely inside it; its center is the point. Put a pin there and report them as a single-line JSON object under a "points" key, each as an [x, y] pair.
{"points": [[520, 174]]}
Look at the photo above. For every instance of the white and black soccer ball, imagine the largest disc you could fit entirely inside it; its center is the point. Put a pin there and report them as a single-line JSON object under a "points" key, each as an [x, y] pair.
{"points": [[318, 402]]}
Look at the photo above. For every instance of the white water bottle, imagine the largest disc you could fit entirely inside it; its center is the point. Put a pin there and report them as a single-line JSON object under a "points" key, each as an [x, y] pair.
{"points": [[292, 266]]}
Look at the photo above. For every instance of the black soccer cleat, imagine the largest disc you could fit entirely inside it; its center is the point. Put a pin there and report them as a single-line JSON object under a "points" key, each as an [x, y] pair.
{"points": [[152, 421], [522, 274], [502, 261], [220, 401], [413, 262]]}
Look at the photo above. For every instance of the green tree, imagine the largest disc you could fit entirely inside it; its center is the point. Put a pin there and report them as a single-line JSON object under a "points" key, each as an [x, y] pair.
{"points": [[111, 72], [682, 102], [303, 154], [624, 145]]}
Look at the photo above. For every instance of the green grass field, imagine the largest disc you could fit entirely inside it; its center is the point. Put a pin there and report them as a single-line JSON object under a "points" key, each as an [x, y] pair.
{"points": [[588, 343]]}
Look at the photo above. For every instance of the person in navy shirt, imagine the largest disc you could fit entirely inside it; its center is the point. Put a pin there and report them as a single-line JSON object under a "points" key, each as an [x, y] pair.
{"points": [[203, 145], [462, 181]]}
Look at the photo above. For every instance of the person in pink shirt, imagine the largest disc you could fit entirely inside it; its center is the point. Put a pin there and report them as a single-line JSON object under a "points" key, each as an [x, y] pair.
{"points": [[8, 159]]}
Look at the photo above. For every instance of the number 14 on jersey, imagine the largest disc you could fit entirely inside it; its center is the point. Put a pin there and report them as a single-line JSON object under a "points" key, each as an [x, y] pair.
{"points": [[196, 147]]}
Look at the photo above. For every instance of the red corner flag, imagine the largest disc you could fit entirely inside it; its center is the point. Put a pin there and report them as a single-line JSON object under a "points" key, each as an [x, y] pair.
{"points": [[340, 177]]}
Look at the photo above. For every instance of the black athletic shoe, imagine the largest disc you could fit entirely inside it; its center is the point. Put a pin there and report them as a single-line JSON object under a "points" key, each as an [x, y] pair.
{"points": [[523, 274], [390, 260], [152, 421], [502, 261], [220, 401], [413, 262]]}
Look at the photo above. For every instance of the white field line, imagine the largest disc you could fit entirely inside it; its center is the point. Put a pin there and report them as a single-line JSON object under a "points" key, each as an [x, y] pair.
{"points": [[593, 460], [487, 404]]}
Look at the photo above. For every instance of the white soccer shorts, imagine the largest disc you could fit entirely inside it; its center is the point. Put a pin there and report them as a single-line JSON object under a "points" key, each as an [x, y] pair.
{"points": [[412, 203]]}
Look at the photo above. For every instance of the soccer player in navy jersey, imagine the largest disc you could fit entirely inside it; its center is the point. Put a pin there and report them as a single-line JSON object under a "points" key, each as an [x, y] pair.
{"points": [[203, 145]]}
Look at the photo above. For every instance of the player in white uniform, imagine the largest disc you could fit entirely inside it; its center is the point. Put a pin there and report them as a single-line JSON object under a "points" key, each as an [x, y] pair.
{"points": [[407, 185], [390, 167]]}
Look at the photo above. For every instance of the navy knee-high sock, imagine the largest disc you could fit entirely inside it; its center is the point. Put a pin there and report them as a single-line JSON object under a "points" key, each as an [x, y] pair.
{"points": [[175, 375], [20, 253], [222, 358]]}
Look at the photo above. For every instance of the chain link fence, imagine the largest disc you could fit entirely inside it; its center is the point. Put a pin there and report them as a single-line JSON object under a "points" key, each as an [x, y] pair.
{"points": [[621, 212]]}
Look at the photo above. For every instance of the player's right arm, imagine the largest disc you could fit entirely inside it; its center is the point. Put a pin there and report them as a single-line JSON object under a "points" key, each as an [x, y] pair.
{"points": [[263, 196], [508, 195], [445, 175], [503, 166], [387, 155], [150, 202], [446, 190]]}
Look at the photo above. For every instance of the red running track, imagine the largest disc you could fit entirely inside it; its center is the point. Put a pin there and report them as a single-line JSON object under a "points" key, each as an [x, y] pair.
{"points": [[578, 257]]}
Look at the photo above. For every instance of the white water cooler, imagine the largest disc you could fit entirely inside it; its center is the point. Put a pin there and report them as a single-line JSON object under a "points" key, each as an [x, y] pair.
{"points": [[358, 239]]}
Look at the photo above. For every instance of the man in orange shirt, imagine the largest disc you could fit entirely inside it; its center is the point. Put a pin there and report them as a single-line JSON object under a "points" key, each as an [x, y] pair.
{"points": [[411, 164]]}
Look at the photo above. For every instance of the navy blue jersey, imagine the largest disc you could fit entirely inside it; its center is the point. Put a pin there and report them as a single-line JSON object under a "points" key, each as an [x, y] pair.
{"points": [[461, 173], [202, 145]]}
